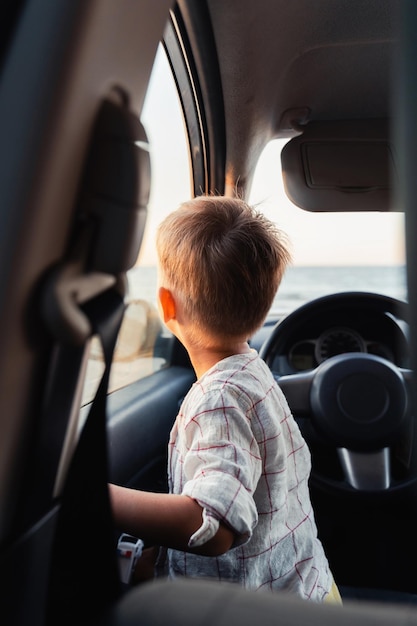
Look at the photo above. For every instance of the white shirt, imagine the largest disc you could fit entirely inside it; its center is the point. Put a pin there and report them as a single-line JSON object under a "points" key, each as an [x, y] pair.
{"points": [[236, 449]]}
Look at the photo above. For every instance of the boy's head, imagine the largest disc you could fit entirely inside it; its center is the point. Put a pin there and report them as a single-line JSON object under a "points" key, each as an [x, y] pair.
{"points": [[224, 261]]}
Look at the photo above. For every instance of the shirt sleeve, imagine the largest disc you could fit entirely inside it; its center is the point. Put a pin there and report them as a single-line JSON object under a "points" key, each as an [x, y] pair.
{"points": [[222, 466]]}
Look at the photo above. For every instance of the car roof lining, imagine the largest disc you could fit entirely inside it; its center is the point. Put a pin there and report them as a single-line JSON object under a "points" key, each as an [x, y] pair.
{"points": [[277, 56]]}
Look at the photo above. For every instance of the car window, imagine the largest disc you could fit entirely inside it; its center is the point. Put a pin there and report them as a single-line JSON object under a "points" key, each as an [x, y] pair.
{"points": [[144, 345]]}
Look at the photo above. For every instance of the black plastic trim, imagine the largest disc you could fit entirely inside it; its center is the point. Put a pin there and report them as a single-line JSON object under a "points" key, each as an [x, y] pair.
{"points": [[196, 73]]}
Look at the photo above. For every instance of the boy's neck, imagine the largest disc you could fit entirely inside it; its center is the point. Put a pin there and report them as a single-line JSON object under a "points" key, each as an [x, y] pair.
{"points": [[204, 358]]}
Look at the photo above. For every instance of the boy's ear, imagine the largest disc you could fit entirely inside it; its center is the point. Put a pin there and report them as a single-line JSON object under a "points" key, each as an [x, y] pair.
{"points": [[168, 306]]}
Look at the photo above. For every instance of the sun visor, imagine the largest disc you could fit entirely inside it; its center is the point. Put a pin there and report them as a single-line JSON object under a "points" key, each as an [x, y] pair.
{"points": [[340, 166]]}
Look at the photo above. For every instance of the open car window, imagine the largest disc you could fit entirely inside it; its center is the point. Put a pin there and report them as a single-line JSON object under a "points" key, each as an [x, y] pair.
{"points": [[144, 345]]}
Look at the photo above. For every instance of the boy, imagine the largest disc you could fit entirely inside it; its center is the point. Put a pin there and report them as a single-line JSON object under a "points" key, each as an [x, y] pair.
{"points": [[239, 507]]}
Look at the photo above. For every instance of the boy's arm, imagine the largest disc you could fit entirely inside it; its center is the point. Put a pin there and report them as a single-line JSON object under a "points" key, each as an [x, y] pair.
{"points": [[165, 519]]}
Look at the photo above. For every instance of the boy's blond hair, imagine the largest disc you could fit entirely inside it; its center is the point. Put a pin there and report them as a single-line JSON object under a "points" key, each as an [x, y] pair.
{"points": [[225, 261]]}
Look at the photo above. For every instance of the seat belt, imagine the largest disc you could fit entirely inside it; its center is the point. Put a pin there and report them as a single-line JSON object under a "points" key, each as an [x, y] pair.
{"points": [[82, 296], [84, 576]]}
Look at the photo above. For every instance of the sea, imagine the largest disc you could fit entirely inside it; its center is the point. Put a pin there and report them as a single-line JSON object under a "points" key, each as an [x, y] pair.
{"points": [[301, 284]]}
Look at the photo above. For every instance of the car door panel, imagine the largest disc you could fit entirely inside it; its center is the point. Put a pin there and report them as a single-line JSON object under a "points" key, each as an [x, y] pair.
{"points": [[140, 419]]}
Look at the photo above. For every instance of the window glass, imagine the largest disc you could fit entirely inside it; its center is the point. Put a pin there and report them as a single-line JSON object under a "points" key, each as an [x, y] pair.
{"points": [[144, 345]]}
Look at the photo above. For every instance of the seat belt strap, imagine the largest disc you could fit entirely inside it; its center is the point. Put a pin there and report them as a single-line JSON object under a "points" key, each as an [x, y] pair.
{"points": [[84, 576]]}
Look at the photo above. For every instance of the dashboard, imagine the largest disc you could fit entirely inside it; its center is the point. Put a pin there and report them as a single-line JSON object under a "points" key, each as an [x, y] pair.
{"points": [[315, 333], [308, 353]]}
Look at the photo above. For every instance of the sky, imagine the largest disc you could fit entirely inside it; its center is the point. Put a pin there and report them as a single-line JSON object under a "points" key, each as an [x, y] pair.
{"points": [[360, 239]]}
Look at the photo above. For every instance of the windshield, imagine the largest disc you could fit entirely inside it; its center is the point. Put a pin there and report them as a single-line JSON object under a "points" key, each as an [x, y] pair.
{"points": [[332, 252]]}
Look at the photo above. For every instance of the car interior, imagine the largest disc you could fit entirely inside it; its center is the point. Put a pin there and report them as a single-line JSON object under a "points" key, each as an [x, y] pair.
{"points": [[90, 380]]}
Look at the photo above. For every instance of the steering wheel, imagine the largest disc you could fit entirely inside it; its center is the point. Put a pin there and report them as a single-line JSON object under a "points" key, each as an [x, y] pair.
{"points": [[355, 403]]}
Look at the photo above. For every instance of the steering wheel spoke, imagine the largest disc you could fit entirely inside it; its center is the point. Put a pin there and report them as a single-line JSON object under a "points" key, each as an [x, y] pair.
{"points": [[366, 471], [297, 390]]}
